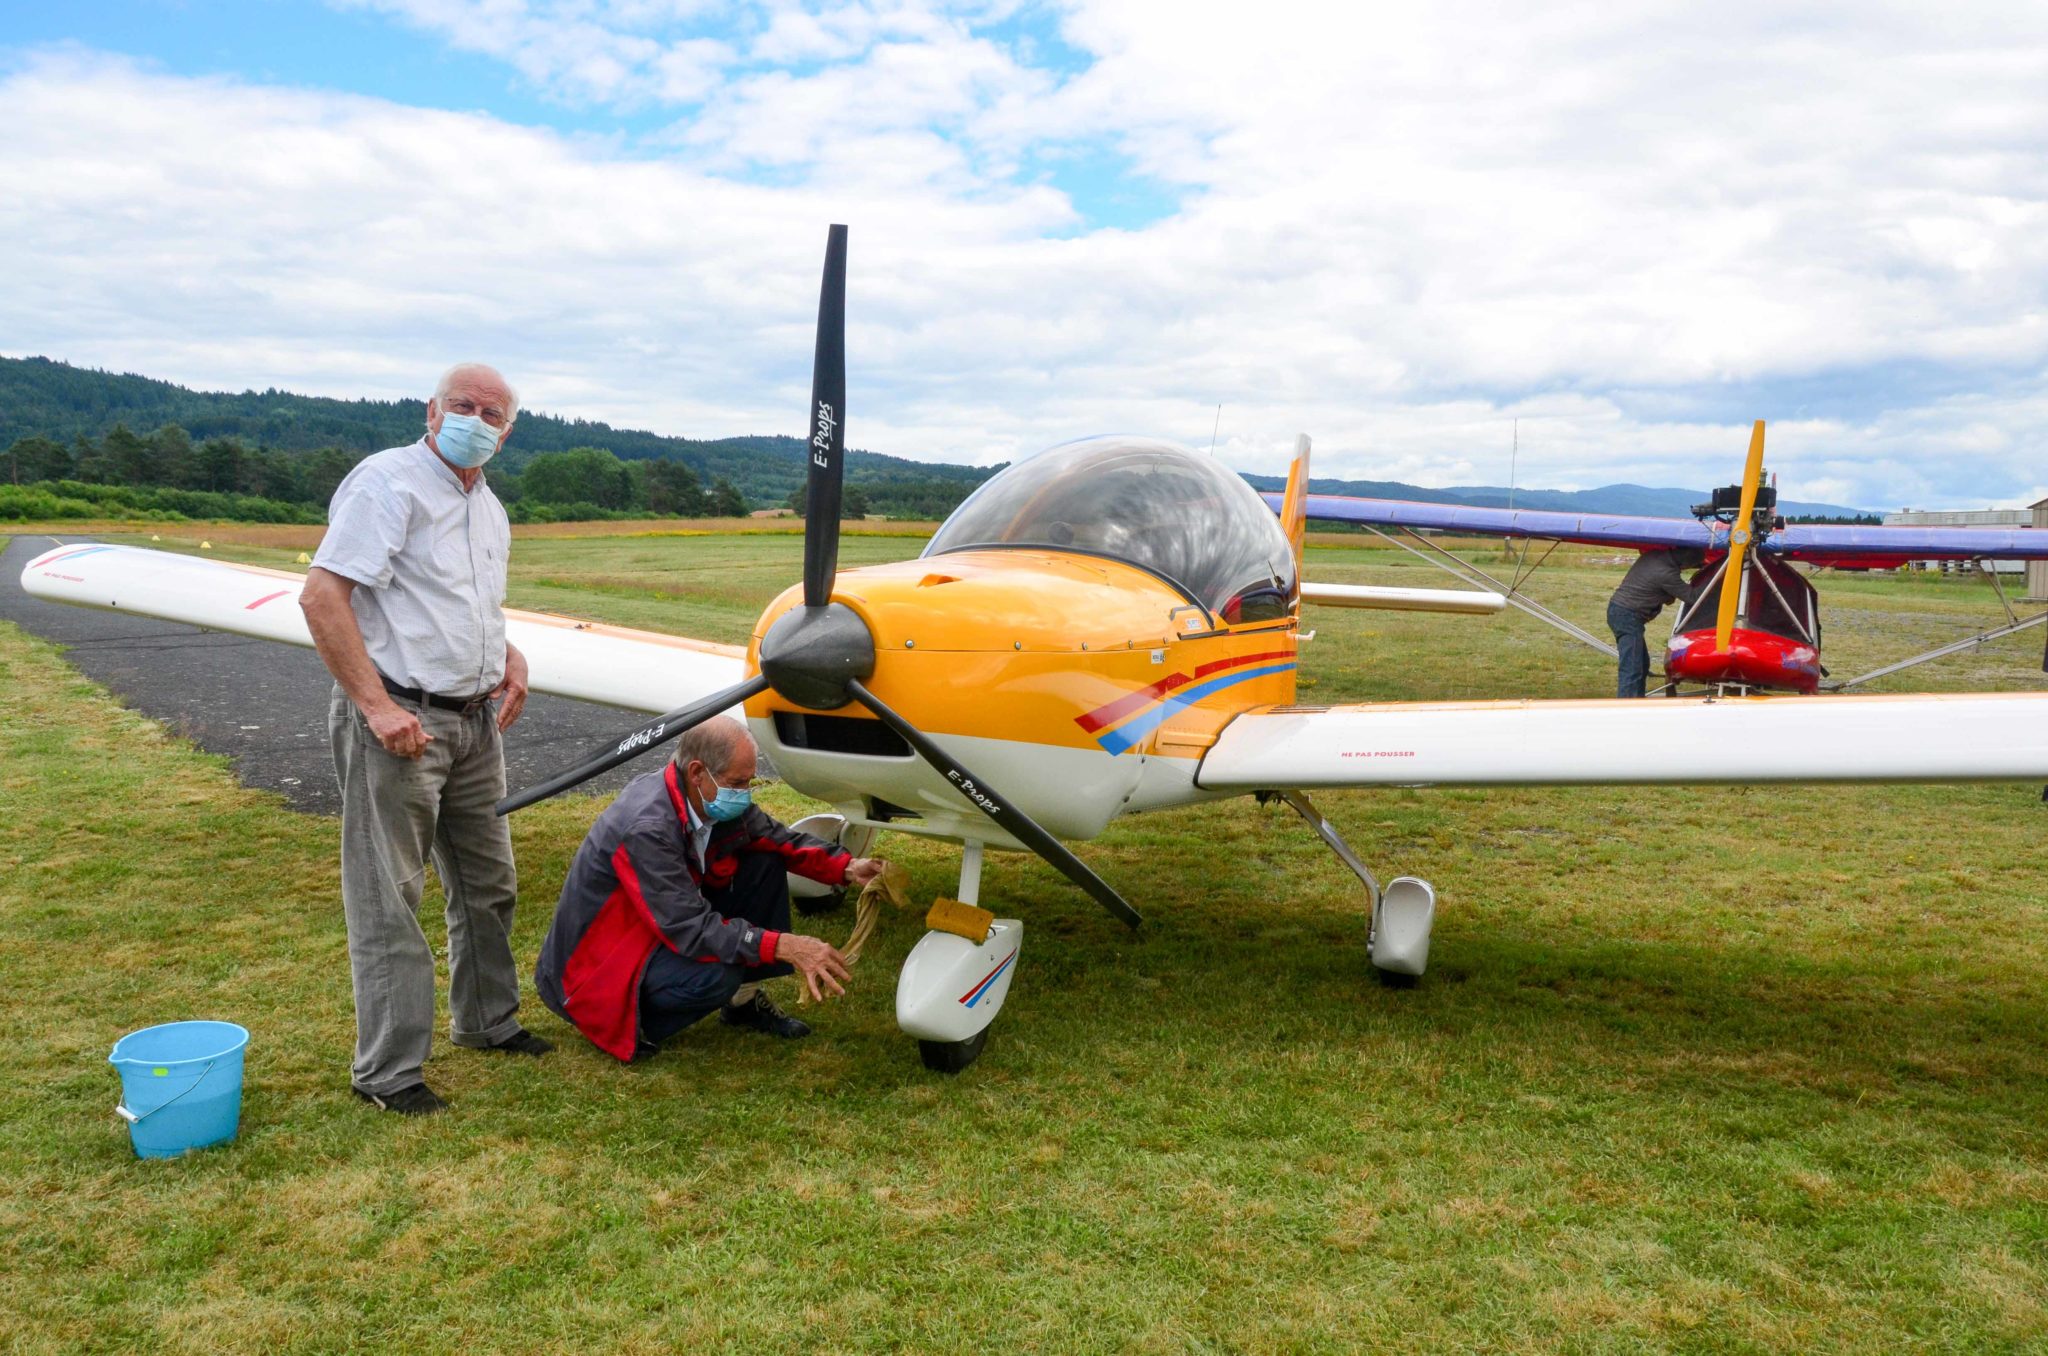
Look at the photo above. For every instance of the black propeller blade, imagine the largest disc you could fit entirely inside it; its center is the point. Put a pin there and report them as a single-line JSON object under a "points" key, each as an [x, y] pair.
{"points": [[828, 429], [821, 537], [1013, 820], [653, 733], [817, 656]]}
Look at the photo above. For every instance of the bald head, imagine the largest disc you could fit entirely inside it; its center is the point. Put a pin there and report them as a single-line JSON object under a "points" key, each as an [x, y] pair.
{"points": [[482, 386], [483, 405], [716, 743]]}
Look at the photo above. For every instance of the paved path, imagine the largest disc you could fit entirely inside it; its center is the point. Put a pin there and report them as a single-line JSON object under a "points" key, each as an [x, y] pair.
{"points": [[264, 704]]}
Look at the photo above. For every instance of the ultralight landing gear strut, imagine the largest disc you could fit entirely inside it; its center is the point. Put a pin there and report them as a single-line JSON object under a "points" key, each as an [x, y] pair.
{"points": [[1402, 915]]}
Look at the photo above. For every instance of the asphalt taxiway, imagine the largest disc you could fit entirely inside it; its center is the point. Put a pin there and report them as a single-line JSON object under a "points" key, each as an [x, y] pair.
{"points": [[263, 704]]}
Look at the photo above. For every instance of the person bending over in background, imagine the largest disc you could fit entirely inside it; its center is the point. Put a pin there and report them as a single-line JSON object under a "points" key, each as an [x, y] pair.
{"points": [[1656, 579]]}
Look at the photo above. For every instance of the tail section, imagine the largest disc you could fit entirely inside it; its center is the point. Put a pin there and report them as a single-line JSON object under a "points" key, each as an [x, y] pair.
{"points": [[1294, 503]]}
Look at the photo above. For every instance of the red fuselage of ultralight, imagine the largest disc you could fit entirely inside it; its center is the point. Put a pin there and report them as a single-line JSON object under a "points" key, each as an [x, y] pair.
{"points": [[1753, 659]]}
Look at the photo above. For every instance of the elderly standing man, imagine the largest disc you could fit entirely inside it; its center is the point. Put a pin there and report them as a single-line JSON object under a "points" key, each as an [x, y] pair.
{"points": [[405, 600], [677, 905]]}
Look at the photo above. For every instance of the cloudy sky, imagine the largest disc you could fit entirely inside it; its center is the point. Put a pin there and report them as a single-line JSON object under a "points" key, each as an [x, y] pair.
{"points": [[1400, 228]]}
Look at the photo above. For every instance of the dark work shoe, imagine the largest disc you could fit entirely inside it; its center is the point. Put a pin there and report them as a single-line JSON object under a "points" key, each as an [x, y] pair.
{"points": [[810, 906], [417, 1100], [524, 1043], [760, 1014]]}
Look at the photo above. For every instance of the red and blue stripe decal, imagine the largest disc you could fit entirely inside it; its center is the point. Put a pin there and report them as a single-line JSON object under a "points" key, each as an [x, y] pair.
{"points": [[70, 553], [1173, 693], [980, 991]]}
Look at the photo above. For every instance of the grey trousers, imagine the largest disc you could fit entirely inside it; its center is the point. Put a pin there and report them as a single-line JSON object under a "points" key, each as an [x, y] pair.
{"points": [[395, 813]]}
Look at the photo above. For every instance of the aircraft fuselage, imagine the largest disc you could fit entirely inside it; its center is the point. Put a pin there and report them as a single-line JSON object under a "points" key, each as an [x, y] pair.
{"points": [[1084, 687]]}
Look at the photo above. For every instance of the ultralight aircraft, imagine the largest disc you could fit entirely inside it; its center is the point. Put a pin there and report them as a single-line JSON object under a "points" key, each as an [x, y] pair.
{"points": [[1763, 634], [1108, 628]]}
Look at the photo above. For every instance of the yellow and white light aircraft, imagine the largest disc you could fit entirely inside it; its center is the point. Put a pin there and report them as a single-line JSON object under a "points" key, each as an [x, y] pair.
{"points": [[1108, 628]]}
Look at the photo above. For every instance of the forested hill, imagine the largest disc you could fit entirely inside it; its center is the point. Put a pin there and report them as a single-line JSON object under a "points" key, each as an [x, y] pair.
{"points": [[43, 398], [294, 448]]}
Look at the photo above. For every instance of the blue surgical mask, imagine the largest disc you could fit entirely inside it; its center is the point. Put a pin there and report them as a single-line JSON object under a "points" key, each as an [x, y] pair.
{"points": [[729, 804], [466, 440]]}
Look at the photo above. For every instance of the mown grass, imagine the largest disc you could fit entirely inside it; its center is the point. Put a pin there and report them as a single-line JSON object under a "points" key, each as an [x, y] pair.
{"points": [[1698, 1070]]}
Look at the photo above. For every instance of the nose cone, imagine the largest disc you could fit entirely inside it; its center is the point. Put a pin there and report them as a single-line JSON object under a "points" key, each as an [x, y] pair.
{"points": [[810, 654]]}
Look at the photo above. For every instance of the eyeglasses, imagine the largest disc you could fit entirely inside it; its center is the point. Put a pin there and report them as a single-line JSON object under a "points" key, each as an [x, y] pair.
{"points": [[493, 415]]}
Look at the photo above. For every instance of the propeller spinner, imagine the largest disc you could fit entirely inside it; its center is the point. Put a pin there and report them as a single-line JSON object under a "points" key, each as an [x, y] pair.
{"points": [[820, 656]]}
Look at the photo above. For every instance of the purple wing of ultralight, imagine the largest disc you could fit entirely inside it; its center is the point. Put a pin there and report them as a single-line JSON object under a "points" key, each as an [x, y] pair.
{"points": [[1843, 541], [1822, 542], [1599, 528]]}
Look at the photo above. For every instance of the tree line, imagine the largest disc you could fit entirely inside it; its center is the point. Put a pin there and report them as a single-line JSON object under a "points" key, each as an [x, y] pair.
{"points": [[165, 473], [311, 435]]}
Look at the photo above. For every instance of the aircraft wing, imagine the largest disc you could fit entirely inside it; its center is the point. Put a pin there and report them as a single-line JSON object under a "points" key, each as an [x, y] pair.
{"points": [[1975, 737], [639, 670], [1824, 543], [1469, 602], [1596, 528]]}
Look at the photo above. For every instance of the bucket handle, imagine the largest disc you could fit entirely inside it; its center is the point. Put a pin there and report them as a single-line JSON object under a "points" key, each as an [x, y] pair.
{"points": [[121, 1108]]}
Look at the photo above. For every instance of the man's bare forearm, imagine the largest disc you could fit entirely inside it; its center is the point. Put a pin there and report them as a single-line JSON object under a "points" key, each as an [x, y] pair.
{"points": [[339, 640]]}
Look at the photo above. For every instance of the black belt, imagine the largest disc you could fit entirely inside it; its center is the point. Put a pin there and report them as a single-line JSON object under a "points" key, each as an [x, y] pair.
{"points": [[462, 705]]}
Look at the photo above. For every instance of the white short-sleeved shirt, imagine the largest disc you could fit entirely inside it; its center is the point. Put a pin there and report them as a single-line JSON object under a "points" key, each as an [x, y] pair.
{"points": [[428, 561]]}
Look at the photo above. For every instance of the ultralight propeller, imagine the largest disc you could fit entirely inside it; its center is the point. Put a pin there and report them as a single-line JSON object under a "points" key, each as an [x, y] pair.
{"points": [[819, 656], [1739, 533]]}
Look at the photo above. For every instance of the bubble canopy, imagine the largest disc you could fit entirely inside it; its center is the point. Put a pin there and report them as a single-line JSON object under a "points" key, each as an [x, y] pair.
{"points": [[1162, 508]]}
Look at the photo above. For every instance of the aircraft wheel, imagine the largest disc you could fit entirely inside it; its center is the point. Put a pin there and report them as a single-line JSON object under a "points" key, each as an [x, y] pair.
{"points": [[1394, 979], [950, 1057]]}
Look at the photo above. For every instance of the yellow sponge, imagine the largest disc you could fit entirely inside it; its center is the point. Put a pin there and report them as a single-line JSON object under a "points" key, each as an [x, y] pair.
{"points": [[963, 920]]}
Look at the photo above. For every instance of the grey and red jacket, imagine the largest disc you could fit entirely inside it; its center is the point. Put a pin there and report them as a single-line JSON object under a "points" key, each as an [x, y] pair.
{"points": [[636, 884]]}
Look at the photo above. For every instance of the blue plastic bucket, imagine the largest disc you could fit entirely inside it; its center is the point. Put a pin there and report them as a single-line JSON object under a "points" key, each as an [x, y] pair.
{"points": [[181, 1085]]}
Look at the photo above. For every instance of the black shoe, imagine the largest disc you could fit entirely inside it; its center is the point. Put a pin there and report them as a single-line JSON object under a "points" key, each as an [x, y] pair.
{"points": [[523, 1042], [762, 1015], [810, 906], [417, 1100]]}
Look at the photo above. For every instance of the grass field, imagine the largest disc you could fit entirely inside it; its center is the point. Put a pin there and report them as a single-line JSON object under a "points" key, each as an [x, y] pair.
{"points": [[1694, 1070]]}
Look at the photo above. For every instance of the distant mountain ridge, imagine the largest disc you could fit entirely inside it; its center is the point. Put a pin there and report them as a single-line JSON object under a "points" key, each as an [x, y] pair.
{"points": [[52, 399]]}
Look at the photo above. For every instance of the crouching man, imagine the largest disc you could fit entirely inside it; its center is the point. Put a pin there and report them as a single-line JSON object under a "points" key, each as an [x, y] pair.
{"points": [[677, 905]]}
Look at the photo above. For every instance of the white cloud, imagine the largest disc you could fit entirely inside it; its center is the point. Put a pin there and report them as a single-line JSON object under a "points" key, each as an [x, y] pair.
{"points": [[1398, 230], [604, 51]]}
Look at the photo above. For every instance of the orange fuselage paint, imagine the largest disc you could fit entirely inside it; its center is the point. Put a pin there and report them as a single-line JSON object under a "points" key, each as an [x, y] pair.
{"points": [[1051, 648]]}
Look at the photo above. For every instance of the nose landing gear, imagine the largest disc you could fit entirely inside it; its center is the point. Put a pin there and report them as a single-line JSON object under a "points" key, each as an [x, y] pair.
{"points": [[953, 982]]}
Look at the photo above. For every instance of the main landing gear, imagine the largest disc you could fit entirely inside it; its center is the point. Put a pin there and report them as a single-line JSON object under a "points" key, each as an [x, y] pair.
{"points": [[1402, 915]]}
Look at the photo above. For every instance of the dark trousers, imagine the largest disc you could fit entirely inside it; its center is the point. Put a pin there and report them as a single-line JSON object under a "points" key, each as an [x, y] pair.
{"points": [[397, 814], [1633, 675], [676, 991]]}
